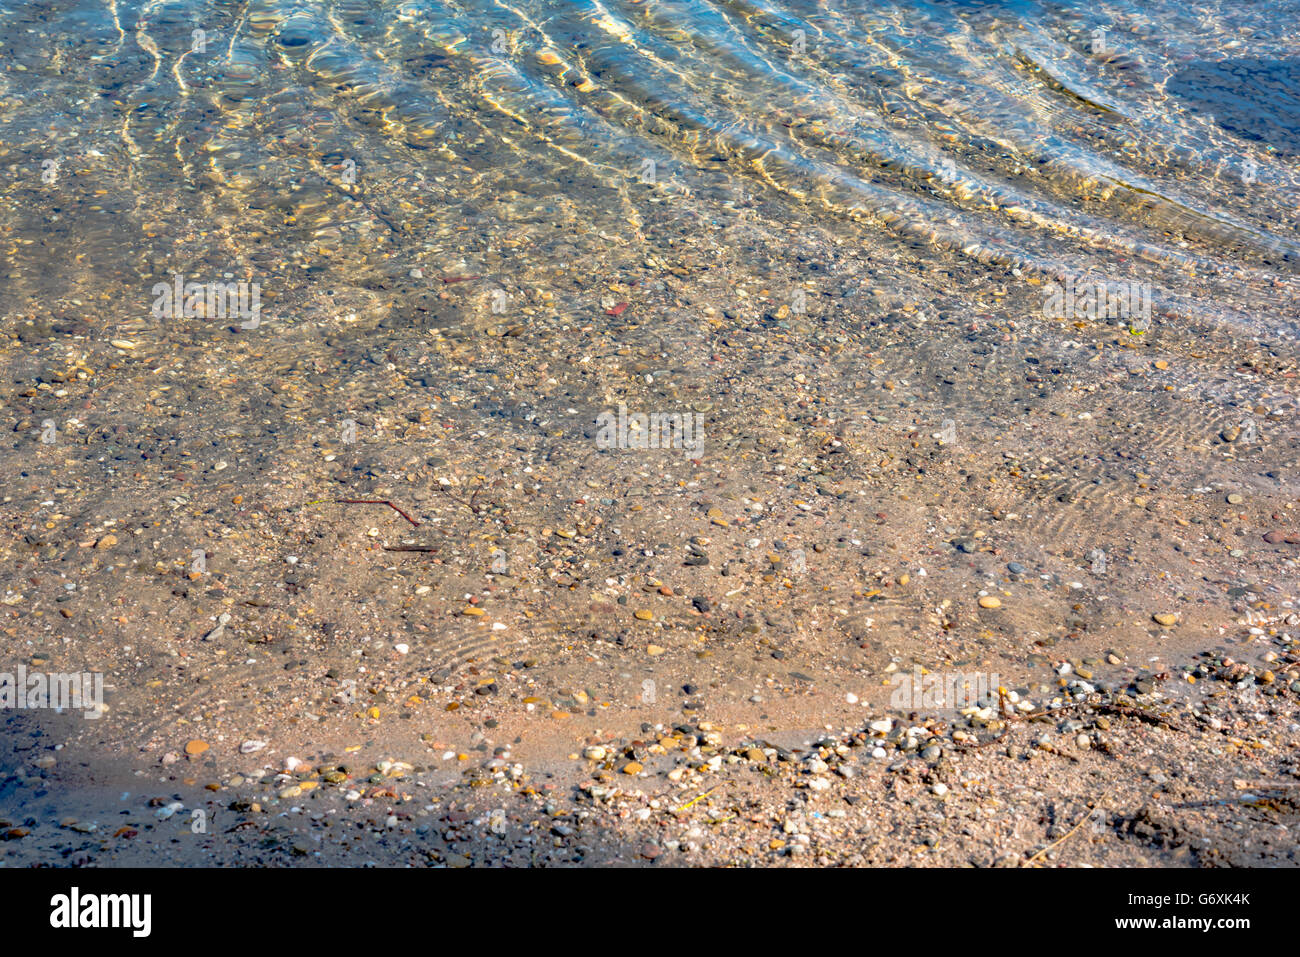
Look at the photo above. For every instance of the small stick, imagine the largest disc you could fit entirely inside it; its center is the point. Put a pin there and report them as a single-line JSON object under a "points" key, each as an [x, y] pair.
{"points": [[694, 800], [460, 501], [377, 501], [1068, 833]]}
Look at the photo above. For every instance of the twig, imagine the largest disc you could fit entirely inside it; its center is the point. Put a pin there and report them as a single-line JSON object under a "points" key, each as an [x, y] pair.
{"points": [[456, 498], [1068, 833], [377, 501], [697, 799]]}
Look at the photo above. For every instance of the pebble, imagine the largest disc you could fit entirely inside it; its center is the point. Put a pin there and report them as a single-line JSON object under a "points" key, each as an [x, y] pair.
{"points": [[1166, 619], [195, 747], [990, 601]]}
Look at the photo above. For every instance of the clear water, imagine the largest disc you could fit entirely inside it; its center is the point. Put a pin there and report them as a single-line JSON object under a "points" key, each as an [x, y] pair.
{"points": [[919, 173], [1147, 142]]}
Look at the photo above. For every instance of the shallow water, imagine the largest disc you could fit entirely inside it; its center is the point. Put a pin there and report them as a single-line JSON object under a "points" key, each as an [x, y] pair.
{"points": [[1150, 143], [474, 226]]}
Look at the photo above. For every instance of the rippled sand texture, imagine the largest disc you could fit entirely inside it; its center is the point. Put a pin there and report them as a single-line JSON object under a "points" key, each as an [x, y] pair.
{"points": [[480, 224]]}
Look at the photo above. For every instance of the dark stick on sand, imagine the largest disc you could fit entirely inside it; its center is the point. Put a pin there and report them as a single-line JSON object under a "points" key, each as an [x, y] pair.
{"points": [[377, 501]]}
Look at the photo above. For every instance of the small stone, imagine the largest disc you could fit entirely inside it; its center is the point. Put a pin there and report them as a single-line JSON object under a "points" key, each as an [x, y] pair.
{"points": [[632, 767], [644, 614], [990, 601], [1166, 619], [196, 747], [1236, 498]]}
